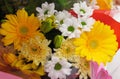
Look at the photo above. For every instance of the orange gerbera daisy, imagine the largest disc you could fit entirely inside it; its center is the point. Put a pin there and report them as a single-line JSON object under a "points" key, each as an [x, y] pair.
{"points": [[19, 28]]}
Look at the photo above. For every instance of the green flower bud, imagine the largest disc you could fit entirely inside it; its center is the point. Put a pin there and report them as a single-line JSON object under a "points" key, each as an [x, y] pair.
{"points": [[48, 25], [58, 41]]}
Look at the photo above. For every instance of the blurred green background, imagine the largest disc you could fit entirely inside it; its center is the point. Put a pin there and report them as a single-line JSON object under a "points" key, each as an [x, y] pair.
{"points": [[11, 6]]}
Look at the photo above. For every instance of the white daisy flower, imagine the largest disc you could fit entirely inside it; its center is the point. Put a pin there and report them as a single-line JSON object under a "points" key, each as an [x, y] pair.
{"points": [[61, 15], [46, 10], [82, 9], [58, 68], [70, 28], [86, 23]]}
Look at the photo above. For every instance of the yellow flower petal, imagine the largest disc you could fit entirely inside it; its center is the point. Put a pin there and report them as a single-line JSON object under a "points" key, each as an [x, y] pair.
{"points": [[22, 16], [7, 41], [34, 24], [8, 27], [12, 19], [40, 71], [3, 32]]}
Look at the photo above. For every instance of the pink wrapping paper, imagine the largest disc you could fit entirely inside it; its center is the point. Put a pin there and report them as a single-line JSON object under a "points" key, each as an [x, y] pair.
{"points": [[4, 75]]}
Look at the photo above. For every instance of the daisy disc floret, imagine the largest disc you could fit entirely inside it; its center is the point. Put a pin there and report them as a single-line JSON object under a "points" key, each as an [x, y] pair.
{"points": [[19, 28], [58, 68], [98, 45]]}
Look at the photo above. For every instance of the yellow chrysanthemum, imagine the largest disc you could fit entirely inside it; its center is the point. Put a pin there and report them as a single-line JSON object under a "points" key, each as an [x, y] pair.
{"points": [[104, 4], [19, 28], [84, 68], [67, 50], [98, 45], [36, 50]]}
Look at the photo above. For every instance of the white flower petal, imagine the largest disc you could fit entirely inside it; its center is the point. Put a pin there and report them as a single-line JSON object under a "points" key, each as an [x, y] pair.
{"points": [[67, 71]]}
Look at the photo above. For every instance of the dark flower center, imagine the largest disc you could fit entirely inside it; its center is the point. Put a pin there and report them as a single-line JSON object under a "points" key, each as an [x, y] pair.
{"points": [[58, 66], [71, 28], [23, 30]]}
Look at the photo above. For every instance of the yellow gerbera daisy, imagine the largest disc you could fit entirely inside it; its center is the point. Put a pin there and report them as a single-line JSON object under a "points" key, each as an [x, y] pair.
{"points": [[36, 50], [19, 28], [98, 45]]}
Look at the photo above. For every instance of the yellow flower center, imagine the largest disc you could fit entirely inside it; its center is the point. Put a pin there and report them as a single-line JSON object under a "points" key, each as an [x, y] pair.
{"points": [[23, 30], [93, 44]]}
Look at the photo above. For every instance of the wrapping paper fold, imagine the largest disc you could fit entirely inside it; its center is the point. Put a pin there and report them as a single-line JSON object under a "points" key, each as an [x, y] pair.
{"points": [[4, 75]]}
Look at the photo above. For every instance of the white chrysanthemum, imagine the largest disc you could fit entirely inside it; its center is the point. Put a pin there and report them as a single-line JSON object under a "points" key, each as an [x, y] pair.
{"points": [[86, 23], [46, 10], [70, 28], [61, 15], [82, 9], [58, 68]]}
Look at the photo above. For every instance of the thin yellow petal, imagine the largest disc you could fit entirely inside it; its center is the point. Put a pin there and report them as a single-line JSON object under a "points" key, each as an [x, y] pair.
{"points": [[8, 27], [12, 19], [40, 71], [3, 32], [7, 41], [36, 23], [23, 16]]}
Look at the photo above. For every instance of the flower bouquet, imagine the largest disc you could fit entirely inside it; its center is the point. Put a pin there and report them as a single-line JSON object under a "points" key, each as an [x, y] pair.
{"points": [[77, 43]]}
